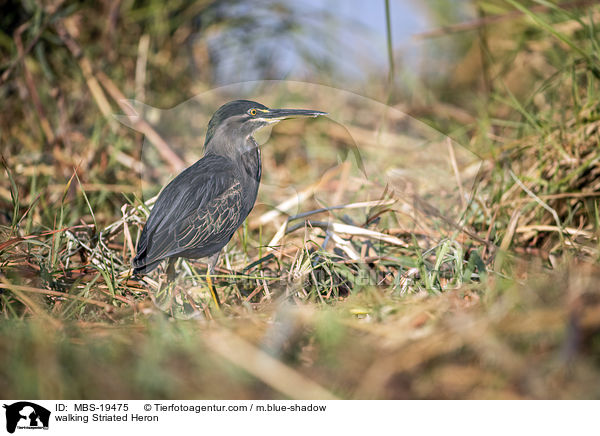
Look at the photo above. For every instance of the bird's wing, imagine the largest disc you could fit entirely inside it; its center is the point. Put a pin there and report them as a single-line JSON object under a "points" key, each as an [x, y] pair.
{"points": [[215, 222], [200, 206]]}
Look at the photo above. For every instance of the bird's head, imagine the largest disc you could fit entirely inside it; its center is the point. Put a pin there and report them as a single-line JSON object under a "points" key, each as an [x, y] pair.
{"points": [[233, 123]]}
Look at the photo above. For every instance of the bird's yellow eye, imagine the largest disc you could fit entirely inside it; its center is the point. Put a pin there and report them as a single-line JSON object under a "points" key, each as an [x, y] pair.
{"points": [[252, 112]]}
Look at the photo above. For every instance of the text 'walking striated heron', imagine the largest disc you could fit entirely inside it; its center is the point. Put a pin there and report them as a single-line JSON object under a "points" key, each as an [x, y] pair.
{"points": [[197, 214]]}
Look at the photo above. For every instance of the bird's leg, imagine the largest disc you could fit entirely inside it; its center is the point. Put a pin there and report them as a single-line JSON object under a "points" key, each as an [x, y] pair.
{"points": [[212, 261], [171, 269]]}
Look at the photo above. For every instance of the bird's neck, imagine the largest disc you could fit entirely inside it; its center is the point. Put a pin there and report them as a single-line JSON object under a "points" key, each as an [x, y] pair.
{"points": [[250, 160], [225, 143], [246, 156]]}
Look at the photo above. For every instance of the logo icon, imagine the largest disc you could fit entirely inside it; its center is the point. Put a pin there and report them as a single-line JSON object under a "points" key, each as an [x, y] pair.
{"points": [[26, 415]]}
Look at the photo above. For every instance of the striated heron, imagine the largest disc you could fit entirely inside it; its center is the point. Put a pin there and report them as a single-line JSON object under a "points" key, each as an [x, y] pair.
{"points": [[198, 212]]}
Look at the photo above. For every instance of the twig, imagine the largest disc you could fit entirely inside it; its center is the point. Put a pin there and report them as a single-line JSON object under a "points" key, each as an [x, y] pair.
{"points": [[351, 230], [140, 67], [540, 202], [4, 245], [546, 228], [141, 125], [17, 288], [358, 205], [456, 172], [253, 293], [86, 69], [295, 200]]}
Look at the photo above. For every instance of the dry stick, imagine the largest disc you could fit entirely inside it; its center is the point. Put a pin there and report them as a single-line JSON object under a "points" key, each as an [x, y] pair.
{"points": [[128, 242], [265, 287], [277, 237], [264, 367], [370, 259], [86, 69], [547, 228], [489, 232], [358, 205], [117, 297], [140, 67], [13, 241], [541, 203], [253, 293], [505, 244], [351, 230], [141, 125], [92, 81], [556, 196], [18, 288], [282, 229], [344, 245], [475, 24], [104, 326], [456, 172], [295, 200], [94, 187], [127, 234], [424, 207], [31, 305]]}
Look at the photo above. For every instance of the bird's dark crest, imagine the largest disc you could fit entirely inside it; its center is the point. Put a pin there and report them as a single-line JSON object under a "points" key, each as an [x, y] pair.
{"points": [[236, 107]]}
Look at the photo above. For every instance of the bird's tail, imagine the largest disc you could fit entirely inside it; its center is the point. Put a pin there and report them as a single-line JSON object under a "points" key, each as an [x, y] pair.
{"points": [[140, 266]]}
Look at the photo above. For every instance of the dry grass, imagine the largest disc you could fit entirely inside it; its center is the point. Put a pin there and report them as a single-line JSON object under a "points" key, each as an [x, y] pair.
{"points": [[346, 287]]}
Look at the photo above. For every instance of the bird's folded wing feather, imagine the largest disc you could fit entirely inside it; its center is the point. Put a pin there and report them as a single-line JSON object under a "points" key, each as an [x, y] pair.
{"points": [[201, 203], [214, 222]]}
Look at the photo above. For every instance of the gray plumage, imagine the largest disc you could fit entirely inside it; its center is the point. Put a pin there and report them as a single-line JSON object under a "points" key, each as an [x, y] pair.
{"points": [[198, 212]]}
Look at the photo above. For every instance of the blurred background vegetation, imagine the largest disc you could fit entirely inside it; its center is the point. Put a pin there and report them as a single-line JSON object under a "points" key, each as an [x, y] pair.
{"points": [[506, 306]]}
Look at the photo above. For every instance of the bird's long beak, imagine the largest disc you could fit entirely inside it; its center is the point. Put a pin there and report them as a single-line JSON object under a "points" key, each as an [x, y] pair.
{"points": [[282, 114]]}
